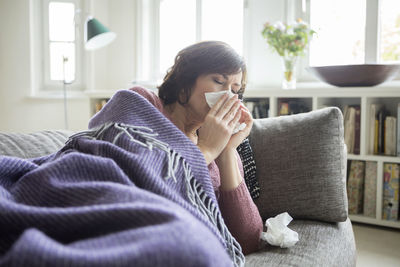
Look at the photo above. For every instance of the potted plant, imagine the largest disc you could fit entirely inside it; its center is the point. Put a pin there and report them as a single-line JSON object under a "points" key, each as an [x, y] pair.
{"points": [[290, 42]]}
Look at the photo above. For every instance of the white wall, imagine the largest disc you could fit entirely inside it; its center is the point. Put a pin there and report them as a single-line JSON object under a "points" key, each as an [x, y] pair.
{"points": [[122, 51], [114, 65], [18, 112]]}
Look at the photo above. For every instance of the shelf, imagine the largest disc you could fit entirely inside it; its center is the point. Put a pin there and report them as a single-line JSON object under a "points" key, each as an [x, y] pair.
{"points": [[321, 89], [100, 94], [369, 220], [374, 158]]}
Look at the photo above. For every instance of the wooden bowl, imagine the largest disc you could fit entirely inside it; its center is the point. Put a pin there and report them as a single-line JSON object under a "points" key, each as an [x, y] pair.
{"points": [[355, 75]]}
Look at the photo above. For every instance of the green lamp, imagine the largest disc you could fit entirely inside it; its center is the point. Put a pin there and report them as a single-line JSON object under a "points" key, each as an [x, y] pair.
{"points": [[97, 35]]}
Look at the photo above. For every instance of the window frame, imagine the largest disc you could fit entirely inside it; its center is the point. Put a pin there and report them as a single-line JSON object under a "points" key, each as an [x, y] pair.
{"points": [[41, 45], [147, 67], [372, 31]]}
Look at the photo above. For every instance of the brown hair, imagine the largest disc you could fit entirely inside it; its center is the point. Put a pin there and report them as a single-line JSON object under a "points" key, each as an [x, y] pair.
{"points": [[195, 60]]}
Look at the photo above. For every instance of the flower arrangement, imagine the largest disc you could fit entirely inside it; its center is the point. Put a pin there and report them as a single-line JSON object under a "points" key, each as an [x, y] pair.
{"points": [[289, 41]]}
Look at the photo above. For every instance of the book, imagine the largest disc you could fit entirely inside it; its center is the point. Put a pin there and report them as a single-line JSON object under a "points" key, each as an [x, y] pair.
{"points": [[345, 112], [355, 186], [373, 112], [291, 106], [357, 122], [381, 130], [376, 137], [348, 170], [283, 108], [349, 128], [390, 136], [345, 119], [371, 169], [390, 206], [258, 108], [256, 112], [100, 104], [296, 106], [264, 108], [398, 130]]}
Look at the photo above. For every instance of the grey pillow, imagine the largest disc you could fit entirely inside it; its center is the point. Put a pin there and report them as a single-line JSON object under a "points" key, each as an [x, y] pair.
{"points": [[301, 165], [33, 144]]}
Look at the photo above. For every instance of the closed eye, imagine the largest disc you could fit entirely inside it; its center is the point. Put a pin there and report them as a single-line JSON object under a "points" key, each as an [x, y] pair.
{"points": [[218, 82]]}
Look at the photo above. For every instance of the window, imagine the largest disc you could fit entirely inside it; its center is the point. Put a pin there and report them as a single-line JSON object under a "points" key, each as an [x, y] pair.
{"points": [[340, 26], [61, 41], [223, 20], [177, 29], [355, 32], [176, 24], [389, 31], [56, 34]]}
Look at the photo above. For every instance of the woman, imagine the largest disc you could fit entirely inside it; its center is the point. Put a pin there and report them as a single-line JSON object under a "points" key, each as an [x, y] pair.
{"points": [[212, 67]]}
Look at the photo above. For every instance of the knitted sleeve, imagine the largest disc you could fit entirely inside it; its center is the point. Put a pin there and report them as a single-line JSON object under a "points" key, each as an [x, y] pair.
{"points": [[241, 215]]}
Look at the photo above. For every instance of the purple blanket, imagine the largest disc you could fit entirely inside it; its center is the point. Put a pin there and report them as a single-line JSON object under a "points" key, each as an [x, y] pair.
{"points": [[131, 191]]}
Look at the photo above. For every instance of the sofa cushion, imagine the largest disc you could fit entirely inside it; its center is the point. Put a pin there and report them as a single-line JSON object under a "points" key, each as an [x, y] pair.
{"points": [[301, 165], [320, 244], [33, 144]]}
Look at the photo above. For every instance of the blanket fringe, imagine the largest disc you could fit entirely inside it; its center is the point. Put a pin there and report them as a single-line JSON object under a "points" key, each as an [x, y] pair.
{"points": [[199, 198], [194, 190]]}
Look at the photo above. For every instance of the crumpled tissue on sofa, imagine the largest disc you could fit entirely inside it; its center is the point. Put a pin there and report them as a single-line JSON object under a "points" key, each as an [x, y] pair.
{"points": [[278, 234]]}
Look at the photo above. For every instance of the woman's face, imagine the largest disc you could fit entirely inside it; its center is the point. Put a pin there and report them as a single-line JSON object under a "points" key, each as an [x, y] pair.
{"points": [[211, 83]]}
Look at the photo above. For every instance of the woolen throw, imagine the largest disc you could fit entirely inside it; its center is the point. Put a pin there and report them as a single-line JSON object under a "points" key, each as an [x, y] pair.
{"points": [[133, 190]]}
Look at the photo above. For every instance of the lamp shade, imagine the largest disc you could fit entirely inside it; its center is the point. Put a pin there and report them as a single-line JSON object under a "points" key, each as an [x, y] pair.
{"points": [[97, 35]]}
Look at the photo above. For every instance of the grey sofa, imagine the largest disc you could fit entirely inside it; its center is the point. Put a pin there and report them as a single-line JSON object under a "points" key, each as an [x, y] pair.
{"points": [[301, 166]]}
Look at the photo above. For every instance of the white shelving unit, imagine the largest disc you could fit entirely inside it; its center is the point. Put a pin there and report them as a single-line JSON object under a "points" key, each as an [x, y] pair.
{"points": [[322, 95], [317, 95]]}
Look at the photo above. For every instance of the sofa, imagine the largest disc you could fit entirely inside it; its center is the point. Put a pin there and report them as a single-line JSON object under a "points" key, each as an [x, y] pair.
{"points": [[301, 169]]}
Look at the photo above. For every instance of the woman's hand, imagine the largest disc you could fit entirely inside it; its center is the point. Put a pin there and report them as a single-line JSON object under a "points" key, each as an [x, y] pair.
{"points": [[229, 151], [238, 138], [219, 123]]}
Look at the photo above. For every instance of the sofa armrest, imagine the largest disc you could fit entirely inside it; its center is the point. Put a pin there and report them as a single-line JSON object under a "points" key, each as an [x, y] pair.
{"points": [[31, 145], [301, 165]]}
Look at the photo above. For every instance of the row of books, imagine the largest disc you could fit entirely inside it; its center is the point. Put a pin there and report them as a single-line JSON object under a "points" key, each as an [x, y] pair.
{"points": [[291, 106], [384, 137], [259, 108], [361, 189]]}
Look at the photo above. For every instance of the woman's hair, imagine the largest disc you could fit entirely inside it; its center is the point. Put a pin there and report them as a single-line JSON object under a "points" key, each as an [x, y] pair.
{"points": [[199, 59]]}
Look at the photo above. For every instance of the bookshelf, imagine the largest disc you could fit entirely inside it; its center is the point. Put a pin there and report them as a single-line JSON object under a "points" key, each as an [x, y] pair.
{"points": [[318, 95]]}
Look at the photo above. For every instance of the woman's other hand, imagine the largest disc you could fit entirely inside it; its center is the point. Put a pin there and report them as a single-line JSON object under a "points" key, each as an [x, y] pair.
{"points": [[238, 138]]}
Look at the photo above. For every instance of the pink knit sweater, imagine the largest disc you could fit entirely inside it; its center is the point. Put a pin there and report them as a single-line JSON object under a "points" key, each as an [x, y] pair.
{"points": [[238, 209]]}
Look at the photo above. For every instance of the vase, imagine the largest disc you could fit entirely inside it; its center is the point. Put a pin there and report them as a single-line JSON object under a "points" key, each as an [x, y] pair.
{"points": [[289, 72]]}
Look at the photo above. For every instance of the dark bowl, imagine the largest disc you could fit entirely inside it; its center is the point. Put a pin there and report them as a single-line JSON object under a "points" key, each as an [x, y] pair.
{"points": [[355, 75]]}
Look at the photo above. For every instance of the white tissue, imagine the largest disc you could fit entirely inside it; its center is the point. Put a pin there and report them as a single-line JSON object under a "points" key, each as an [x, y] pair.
{"points": [[212, 98], [278, 234]]}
